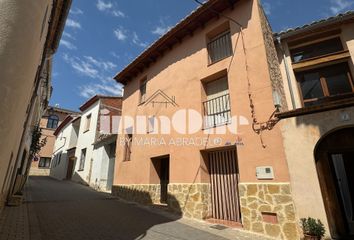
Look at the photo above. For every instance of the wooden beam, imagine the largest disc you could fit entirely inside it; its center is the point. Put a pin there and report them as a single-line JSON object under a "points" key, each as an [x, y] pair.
{"points": [[178, 39], [152, 59], [320, 60]]}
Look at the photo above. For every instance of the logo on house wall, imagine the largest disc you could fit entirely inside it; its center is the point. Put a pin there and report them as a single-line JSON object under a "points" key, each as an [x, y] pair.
{"points": [[161, 98]]}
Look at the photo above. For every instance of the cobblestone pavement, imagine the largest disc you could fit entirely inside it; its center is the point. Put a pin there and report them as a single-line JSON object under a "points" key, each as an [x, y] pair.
{"points": [[67, 211]]}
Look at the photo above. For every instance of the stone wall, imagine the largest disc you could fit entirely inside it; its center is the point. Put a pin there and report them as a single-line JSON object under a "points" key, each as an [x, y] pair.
{"points": [[140, 193], [35, 171], [272, 59], [274, 198], [191, 200]]}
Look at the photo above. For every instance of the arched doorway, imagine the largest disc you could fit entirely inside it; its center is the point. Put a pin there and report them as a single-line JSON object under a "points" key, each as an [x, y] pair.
{"points": [[334, 156]]}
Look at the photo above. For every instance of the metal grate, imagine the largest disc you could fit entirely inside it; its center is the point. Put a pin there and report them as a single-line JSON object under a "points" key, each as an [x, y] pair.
{"points": [[220, 47], [217, 111]]}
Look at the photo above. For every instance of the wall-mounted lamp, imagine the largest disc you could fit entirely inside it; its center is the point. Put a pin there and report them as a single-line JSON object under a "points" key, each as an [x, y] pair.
{"points": [[277, 100]]}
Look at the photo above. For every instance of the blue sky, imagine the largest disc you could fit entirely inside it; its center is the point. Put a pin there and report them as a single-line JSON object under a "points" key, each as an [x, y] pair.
{"points": [[102, 36]]}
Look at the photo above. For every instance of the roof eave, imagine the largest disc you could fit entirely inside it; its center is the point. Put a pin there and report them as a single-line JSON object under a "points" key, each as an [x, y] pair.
{"points": [[308, 28], [60, 14], [172, 34]]}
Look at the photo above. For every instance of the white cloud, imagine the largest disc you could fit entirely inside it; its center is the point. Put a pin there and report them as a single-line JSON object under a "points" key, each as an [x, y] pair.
{"points": [[161, 28], [340, 5], [136, 40], [115, 55], [110, 8], [267, 8], [82, 67], [72, 23], [103, 6], [118, 13], [98, 71], [76, 11], [67, 44], [105, 65], [120, 34], [68, 35], [92, 89]]}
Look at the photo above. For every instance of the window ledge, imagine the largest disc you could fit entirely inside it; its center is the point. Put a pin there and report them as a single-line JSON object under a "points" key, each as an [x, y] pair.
{"points": [[216, 126], [327, 106], [222, 59], [320, 60]]}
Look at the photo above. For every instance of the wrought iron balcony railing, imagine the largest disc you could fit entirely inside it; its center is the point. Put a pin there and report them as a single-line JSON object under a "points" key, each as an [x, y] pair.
{"points": [[220, 48], [217, 111]]}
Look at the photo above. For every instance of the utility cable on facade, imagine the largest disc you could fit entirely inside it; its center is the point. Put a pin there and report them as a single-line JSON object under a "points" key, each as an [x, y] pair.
{"points": [[257, 127]]}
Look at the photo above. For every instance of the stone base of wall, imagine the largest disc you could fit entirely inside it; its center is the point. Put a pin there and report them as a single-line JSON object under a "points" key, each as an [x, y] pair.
{"points": [[39, 172], [256, 199], [192, 200], [189, 200], [140, 193]]}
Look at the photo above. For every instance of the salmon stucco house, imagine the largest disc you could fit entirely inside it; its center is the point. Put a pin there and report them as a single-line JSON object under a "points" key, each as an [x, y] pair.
{"points": [[217, 69]]}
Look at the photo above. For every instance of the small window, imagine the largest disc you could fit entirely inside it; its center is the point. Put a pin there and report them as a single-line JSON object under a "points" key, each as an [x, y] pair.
{"points": [[128, 145], [44, 162], [151, 124], [53, 121], [217, 109], [220, 47], [319, 84], [88, 123], [142, 91], [316, 50], [82, 159]]}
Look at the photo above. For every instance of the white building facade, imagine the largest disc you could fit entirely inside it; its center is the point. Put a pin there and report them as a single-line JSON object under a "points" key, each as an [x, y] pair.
{"points": [[95, 152], [63, 158]]}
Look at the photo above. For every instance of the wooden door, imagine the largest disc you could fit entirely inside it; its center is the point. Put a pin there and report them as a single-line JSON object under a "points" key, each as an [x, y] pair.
{"points": [[164, 178], [224, 185], [70, 169], [343, 168]]}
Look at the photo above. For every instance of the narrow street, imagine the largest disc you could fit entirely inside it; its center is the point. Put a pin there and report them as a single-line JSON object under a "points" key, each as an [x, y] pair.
{"points": [[56, 210]]}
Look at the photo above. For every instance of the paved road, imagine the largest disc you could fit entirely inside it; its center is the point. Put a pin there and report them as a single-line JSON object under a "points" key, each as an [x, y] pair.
{"points": [[63, 210]]}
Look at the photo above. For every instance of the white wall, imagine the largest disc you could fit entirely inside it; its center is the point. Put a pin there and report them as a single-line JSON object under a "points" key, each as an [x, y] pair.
{"points": [[86, 140], [103, 170], [62, 143]]}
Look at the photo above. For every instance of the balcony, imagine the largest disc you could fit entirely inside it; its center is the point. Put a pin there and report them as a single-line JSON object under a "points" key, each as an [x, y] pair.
{"points": [[217, 111], [220, 47]]}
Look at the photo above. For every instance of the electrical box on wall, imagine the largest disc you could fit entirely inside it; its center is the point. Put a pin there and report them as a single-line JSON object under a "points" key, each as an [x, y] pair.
{"points": [[265, 173]]}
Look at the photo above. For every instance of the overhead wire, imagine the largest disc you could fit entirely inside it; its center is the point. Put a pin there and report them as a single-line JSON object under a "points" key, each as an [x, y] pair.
{"points": [[257, 127]]}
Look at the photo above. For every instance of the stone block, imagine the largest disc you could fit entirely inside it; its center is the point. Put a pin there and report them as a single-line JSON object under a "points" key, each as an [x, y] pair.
{"points": [[272, 230]]}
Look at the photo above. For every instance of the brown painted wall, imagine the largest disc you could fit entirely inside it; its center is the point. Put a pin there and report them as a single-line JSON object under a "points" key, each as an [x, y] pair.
{"points": [[179, 73]]}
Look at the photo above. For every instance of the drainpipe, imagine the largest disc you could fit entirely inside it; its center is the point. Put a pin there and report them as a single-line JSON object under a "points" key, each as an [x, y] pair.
{"points": [[287, 73]]}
